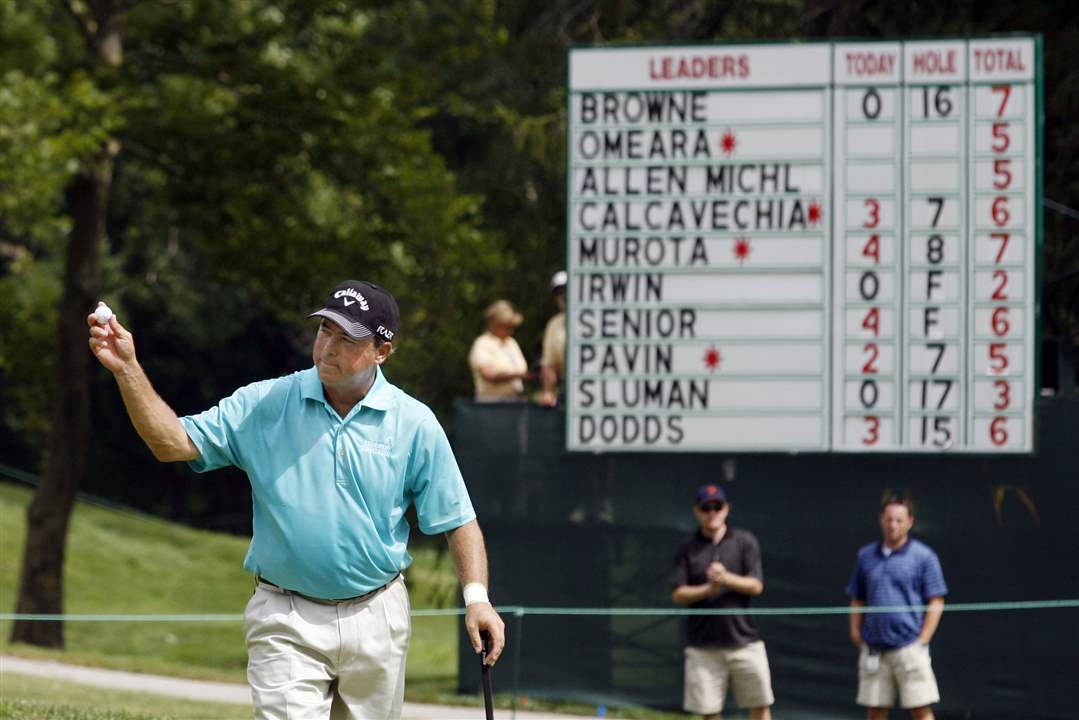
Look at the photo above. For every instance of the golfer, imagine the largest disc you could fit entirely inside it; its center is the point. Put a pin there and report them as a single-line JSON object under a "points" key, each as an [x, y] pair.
{"points": [[335, 455]]}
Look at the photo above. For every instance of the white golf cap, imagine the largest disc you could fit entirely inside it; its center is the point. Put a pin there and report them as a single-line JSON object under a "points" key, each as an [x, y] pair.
{"points": [[558, 279]]}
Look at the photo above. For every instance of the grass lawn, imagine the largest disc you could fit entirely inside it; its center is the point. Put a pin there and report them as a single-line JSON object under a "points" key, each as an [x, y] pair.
{"points": [[133, 564], [124, 563], [27, 698]]}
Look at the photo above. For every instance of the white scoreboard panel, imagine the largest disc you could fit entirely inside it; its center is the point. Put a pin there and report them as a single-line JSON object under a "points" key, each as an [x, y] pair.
{"points": [[804, 247]]}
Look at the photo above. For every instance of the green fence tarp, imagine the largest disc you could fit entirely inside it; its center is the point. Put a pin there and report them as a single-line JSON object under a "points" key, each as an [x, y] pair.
{"points": [[569, 530]]}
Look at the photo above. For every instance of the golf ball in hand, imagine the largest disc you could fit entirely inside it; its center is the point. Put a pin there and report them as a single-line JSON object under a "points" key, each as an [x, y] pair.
{"points": [[103, 314]]}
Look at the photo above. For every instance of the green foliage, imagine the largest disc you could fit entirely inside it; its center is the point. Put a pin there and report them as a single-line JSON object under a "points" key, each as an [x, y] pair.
{"points": [[270, 149], [51, 125], [29, 296], [265, 154]]}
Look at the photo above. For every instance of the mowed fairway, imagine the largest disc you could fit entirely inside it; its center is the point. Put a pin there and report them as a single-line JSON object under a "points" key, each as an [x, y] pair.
{"points": [[30, 698], [123, 563]]}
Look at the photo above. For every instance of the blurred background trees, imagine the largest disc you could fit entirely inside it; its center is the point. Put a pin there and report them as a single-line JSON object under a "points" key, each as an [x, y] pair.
{"points": [[243, 156]]}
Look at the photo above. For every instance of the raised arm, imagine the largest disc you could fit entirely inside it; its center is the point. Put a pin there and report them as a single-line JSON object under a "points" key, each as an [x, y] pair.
{"points": [[154, 420], [470, 559]]}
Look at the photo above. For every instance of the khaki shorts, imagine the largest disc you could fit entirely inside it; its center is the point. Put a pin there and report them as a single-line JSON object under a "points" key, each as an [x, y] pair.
{"points": [[709, 670], [907, 669], [308, 660]]}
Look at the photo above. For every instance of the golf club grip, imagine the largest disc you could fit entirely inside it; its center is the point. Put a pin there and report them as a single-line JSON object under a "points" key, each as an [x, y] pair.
{"points": [[485, 674]]}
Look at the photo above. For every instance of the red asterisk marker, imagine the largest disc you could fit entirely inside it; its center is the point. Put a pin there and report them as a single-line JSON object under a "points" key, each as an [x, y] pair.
{"points": [[728, 142], [712, 358], [814, 213], [741, 249]]}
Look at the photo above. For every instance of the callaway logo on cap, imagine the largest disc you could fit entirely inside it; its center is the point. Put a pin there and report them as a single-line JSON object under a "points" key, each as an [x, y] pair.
{"points": [[351, 293], [362, 309]]}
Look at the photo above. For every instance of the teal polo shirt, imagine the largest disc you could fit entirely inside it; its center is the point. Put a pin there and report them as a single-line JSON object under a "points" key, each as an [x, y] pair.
{"points": [[329, 494]]}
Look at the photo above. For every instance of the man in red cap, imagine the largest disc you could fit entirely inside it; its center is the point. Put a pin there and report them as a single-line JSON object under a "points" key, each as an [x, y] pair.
{"points": [[720, 567]]}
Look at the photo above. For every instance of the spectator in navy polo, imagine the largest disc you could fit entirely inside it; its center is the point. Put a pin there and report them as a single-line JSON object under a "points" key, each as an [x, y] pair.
{"points": [[897, 571], [719, 566]]}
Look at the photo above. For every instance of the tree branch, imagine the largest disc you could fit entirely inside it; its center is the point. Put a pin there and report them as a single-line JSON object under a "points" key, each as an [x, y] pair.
{"points": [[83, 22]]}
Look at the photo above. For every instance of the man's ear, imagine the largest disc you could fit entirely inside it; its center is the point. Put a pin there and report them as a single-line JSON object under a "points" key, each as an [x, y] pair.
{"points": [[383, 352]]}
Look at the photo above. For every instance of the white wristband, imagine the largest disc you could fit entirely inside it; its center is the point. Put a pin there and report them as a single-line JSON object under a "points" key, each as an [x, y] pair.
{"points": [[475, 592]]}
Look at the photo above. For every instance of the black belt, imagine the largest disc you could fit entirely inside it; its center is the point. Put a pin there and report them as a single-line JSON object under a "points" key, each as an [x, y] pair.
{"points": [[322, 601]]}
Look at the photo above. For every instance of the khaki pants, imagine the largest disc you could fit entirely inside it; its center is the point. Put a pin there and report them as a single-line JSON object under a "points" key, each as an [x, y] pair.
{"points": [[310, 661], [907, 669], [710, 670]]}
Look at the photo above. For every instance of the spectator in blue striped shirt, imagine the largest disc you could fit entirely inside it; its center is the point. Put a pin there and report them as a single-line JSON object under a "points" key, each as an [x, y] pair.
{"points": [[898, 571]]}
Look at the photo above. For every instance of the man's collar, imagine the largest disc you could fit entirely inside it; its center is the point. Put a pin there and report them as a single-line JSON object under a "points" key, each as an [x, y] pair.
{"points": [[895, 551], [379, 397], [707, 540], [310, 385]]}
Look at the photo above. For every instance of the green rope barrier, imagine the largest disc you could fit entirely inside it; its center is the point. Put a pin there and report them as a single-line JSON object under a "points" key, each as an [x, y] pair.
{"points": [[825, 610], [521, 611]]}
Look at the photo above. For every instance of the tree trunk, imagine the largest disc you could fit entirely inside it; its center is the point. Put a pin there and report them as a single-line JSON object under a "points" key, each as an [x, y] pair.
{"points": [[41, 585]]}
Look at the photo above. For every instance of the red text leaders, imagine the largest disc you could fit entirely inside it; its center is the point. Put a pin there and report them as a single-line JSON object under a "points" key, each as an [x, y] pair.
{"points": [[898, 571], [720, 567], [335, 455]]}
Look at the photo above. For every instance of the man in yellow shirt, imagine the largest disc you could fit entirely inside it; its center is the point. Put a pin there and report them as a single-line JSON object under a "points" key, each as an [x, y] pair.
{"points": [[498, 365]]}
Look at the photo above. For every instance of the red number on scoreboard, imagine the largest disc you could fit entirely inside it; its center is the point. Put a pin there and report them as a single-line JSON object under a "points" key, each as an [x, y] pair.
{"points": [[874, 430], [1002, 169], [870, 366], [873, 205], [871, 321], [1000, 132], [1004, 398], [998, 431], [1003, 238], [872, 249], [1001, 216], [1001, 326], [1006, 92], [998, 293], [998, 361]]}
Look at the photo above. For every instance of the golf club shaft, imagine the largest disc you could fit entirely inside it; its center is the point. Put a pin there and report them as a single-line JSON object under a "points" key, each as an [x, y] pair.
{"points": [[485, 674], [488, 702]]}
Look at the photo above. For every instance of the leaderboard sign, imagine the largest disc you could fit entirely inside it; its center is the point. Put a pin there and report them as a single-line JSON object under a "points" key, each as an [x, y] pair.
{"points": [[804, 247]]}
